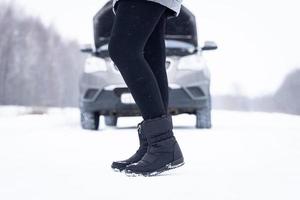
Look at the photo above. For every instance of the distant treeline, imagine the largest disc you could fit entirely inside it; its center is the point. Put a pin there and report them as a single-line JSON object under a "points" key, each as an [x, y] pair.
{"points": [[286, 99], [37, 66]]}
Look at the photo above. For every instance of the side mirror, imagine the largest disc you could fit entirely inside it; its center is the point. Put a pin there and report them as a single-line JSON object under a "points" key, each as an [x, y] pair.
{"points": [[209, 45], [86, 48]]}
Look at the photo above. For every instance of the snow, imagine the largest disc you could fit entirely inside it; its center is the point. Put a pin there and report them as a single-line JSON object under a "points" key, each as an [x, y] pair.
{"points": [[245, 156]]}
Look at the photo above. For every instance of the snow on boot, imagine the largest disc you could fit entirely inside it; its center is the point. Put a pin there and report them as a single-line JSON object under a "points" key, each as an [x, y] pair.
{"points": [[119, 166], [163, 150]]}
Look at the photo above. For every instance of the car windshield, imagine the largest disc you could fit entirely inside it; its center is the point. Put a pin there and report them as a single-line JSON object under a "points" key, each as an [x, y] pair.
{"points": [[175, 44], [170, 44]]}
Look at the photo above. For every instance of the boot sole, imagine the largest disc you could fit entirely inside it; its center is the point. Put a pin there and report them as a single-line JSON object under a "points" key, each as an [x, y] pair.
{"points": [[117, 170], [173, 165]]}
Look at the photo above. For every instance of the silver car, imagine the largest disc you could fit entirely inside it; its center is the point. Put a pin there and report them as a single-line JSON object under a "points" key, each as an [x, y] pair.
{"points": [[104, 92]]}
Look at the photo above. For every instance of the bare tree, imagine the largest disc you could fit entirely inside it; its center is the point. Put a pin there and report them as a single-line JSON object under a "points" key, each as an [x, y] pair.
{"points": [[37, 66]]}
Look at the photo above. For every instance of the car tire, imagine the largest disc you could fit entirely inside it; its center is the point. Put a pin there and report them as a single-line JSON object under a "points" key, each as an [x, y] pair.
{"points": [[111, 120], [203, 117], [89, 120]]}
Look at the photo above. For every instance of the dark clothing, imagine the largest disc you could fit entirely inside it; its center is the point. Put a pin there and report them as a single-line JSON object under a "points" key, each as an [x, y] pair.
{"points": [[163, 152], [137, 47]]}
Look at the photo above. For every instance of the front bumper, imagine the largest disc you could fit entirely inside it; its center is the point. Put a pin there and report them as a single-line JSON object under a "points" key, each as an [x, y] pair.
{"points": [[108, 102]]}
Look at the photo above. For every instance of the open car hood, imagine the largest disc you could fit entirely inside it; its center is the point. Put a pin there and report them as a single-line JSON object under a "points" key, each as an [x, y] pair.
{"points": [[181, 32]]}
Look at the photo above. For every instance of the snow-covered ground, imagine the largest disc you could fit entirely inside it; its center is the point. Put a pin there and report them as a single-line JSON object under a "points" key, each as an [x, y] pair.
{"points": [[246, 156]]}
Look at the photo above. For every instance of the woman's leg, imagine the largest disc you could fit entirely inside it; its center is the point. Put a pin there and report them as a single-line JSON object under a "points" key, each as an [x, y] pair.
{"points": [[155, 54], [134, 23]]}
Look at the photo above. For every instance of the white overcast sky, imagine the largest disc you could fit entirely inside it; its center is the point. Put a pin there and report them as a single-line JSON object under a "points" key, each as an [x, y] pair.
{"points": [[258, 39]]}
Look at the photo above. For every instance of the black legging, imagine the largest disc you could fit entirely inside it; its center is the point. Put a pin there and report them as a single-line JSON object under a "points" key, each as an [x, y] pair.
{"points": [[137, 47]]}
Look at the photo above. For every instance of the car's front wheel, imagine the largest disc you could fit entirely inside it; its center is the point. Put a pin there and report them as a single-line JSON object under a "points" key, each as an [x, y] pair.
{"points": [[110, 120], [89, 120], [203, 117]]}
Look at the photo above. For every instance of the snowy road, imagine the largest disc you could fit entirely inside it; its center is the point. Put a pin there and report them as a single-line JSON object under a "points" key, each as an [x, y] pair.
{"points": [[246, 156]]}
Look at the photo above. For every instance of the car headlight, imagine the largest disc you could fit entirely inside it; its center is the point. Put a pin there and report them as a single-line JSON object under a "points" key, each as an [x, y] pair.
{"points": [[193, 62], [94, 64]]}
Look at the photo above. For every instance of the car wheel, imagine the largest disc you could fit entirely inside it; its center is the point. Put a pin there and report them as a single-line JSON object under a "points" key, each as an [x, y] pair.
{"points": [[89, 120], [203, 117], [111, 120]]}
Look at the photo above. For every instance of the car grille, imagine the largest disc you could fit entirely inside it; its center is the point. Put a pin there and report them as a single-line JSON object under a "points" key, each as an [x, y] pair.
{"points": [[168, 65]]}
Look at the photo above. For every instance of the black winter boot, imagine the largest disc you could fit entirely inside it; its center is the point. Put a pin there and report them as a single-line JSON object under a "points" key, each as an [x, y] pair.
{"points": [[163, 150], [119, 166]]}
